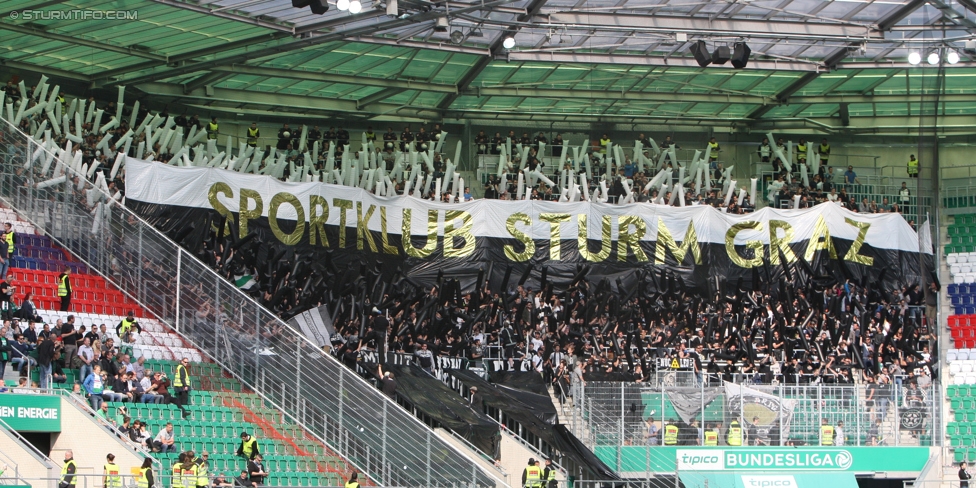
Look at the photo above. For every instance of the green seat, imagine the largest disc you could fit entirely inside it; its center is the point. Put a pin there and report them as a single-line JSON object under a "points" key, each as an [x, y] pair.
{"points": [[959, 455]]}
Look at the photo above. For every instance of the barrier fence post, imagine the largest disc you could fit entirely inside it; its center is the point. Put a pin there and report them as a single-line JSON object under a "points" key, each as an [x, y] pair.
{"points": [[179, 265]]}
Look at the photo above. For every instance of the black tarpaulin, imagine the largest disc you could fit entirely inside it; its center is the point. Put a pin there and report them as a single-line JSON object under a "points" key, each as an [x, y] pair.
{"points": [[521, 380], [439, 402], [557, 436]]}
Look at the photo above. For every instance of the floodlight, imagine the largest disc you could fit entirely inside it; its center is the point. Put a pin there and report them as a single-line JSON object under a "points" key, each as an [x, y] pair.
{"points": [[509, 42], [914, 58]]}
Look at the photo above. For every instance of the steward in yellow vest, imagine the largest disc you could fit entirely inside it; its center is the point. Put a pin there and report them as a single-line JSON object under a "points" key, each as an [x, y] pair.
{"points": [[112, 473], [734, 437], [146, 479], [711, 436], [826, 434], [252, 134], [213, 129], [68, 471], [912, 173], [532, 475], [670, 434], [249, 446]]}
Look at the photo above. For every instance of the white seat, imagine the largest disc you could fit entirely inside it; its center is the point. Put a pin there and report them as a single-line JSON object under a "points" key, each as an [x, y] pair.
{"points": [[951, 356], [951, 259], [954, 369], [955, 270]]}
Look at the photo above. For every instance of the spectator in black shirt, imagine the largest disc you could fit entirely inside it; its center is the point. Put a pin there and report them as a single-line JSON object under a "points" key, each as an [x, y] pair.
{"points": [[255, 470]]}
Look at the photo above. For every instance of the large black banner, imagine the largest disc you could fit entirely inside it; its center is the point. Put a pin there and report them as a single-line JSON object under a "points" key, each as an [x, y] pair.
{"points": [[636, 248]]}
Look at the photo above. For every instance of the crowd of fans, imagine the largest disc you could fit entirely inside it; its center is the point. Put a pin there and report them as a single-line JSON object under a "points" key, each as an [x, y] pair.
{"points": [[796, 331]]}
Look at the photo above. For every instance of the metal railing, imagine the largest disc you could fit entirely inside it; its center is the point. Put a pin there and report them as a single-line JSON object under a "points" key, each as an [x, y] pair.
{"points": [[313, 389], [619, 414]]}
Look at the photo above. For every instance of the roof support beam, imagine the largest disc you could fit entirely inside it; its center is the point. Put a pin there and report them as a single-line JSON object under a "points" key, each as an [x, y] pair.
{"points": [[224, 14], [703, 26], [496, 47], [289, 47], [331, 78], [267, 101], [78, 41], [686, 62], [375, 97], [69, 75], [608, 94], [204, 80], [182, 58]]}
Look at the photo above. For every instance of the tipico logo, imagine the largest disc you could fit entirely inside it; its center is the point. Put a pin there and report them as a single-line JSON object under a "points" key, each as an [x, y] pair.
{"points": [[769, 481], [700, 459]]}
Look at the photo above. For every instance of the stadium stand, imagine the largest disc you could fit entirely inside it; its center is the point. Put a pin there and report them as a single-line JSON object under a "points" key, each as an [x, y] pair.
{"points": [[220, 407]]}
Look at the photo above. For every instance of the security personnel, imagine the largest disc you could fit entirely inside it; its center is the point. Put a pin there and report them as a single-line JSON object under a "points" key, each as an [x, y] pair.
{"points": [[68, 470], [604, 142], [249, 446], [112, 477], [824, 151], [252, 134], [126, 325], [64, 289], [801, 152], [532, 475], [189, 472], [353, 480], [711, 436], [912, 173], [670, 434], [203, 467], [181, 384], [713, 156], [9, 236], [734, 437], [146, 478], [370, 135], [213, 129], [549, 475], [178, 471], [826, 433]]}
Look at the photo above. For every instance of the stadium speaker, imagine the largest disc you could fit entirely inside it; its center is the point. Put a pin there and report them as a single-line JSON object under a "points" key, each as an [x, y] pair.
{"points": [[700, 50], [319, 7], [740, 55], [721, 55], [845, 115]]}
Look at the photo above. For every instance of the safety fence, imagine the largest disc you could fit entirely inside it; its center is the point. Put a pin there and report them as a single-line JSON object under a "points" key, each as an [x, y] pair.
{"points": [[631, 414]]}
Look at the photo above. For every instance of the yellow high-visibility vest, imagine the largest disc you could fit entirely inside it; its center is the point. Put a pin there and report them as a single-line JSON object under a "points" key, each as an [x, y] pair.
{"points": [[735, 435], [64, 472], [533, 474], [189, 478], [826, 435], [63, 286], [252, 135], [714, 154], [178, 380], [212, 130], [801, 152], [178, 475], [112, 478], [711, 438], [912, 170], [670, 435], [10, 242], [247, 447], [202, 469], [143, 480], [824, 152]]}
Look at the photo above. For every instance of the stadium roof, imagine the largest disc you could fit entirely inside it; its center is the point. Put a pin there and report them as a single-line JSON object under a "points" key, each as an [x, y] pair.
{"points": [[579, 61]]}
